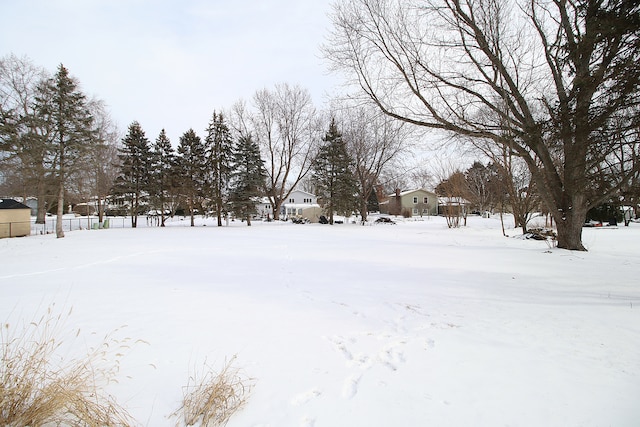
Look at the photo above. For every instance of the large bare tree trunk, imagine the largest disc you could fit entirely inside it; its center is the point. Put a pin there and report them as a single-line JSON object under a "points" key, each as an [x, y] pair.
{"points": [[570, 230]]}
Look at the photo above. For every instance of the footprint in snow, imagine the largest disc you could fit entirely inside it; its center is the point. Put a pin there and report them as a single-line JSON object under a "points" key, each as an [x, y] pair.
{"points": [[391, 357], [340, 345], [350, 387], [303, 398]]}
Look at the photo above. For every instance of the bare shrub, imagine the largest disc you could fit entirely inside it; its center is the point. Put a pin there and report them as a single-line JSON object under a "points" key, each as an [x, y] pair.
{"points": [[39, 387], [210, 399]]}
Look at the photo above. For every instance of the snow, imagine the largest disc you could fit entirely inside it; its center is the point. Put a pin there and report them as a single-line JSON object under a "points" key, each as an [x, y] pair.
{"points": [[411, 324]]}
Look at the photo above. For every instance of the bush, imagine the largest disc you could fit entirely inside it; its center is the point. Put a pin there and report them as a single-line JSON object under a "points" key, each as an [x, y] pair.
{"points": [[38, 387], [211, 399]]}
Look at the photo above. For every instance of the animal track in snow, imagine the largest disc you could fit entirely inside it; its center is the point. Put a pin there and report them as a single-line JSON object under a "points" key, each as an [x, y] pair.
{"points": [[340, 345], [305, 397], [350, 387], [391, 357]]}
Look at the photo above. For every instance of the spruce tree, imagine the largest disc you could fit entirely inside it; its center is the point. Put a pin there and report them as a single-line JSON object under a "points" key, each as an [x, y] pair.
{"points": [[133, 181], [162, 173], [62, 105], [191, 169], [333, 176], [219, 161], [247, 179]]}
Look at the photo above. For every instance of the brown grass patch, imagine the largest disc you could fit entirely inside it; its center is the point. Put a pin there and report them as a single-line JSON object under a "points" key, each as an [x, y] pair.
{"points": [[210, 399], [39, 387]]}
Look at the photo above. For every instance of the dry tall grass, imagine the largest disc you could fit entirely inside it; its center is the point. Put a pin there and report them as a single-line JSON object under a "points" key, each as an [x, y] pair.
{"points": [[38, 387], [210, 399]]}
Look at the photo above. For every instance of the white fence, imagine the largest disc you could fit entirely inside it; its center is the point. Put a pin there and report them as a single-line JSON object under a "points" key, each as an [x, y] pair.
{"points": [[81, 223]]}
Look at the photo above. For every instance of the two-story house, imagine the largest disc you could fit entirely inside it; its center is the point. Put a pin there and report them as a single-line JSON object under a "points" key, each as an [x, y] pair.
{"points": [[299, 204], [418, 202]]}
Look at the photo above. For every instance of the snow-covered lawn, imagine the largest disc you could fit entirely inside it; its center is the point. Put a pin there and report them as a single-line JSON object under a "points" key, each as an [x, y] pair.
{"points": [[389, 325]]}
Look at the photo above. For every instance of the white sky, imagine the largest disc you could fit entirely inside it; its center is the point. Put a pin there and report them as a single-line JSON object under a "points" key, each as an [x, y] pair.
{"points": [[171, 63]]}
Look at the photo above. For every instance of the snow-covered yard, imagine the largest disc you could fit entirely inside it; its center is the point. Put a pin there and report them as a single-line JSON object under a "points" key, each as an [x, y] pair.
{"points": [[389, 325]]}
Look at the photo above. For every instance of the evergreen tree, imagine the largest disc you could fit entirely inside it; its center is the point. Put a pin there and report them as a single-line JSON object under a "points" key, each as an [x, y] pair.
{"points": [[373, 204], [61, 104], [162, 174], [191, 170], [332, 172], [247, 179], [219, 161], [133, 181]]}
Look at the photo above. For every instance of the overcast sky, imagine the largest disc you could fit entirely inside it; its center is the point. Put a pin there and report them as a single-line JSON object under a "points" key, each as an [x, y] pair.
{"points": [[170, 63]]}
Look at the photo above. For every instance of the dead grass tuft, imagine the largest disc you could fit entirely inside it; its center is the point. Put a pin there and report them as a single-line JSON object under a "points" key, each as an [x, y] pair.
{"points": [[211, 399], [39, 387]]}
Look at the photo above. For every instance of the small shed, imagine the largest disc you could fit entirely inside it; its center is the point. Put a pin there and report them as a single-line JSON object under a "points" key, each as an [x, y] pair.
{"points": [[15, 219]]}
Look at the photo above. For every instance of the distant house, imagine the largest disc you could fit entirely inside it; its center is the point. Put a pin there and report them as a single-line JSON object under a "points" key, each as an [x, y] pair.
{"points": [[301, 204], [15, 219], [263, 208], [418, 202]]}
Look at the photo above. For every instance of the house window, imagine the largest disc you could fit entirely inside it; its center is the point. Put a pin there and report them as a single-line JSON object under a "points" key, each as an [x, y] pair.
{"points": [[292, 201], [415, 211], [426, 200], [415, 200]]}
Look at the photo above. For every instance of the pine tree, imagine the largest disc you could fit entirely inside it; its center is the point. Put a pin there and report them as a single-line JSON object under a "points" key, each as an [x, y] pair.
{"points": [[162, 173], [191, 170], [61, 104], [332, 173], [219, 161], [247, 179], [133, 182], [373, 204]]}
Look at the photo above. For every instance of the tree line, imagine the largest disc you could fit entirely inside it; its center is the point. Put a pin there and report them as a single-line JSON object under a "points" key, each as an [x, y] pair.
{"points": [[61, 147], [551, 85]]}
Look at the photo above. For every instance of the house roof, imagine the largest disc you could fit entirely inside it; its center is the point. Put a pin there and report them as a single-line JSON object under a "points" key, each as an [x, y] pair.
{"points": [[304, 192], [12, 204], [404, 193]]}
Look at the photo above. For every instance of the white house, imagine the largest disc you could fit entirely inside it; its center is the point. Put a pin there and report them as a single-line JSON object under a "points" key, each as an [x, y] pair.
{"points": [[299, 204], [301, 197], [264, 208]]}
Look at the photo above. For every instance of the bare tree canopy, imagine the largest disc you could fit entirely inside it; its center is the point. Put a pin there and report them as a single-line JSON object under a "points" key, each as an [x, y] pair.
{"points": [[24, 158], [373, 141], [554, 81], [287, 128]]}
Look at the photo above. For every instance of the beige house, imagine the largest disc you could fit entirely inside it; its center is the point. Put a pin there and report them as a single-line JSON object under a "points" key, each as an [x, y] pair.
{"points": [[411, 203], [15, 219]]}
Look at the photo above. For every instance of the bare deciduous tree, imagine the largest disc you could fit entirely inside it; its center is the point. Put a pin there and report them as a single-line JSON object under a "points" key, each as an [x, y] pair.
{"points": [[103, 161], [556, 81], [373, 141], [454, 193], [25, 156], [286, 125]]}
